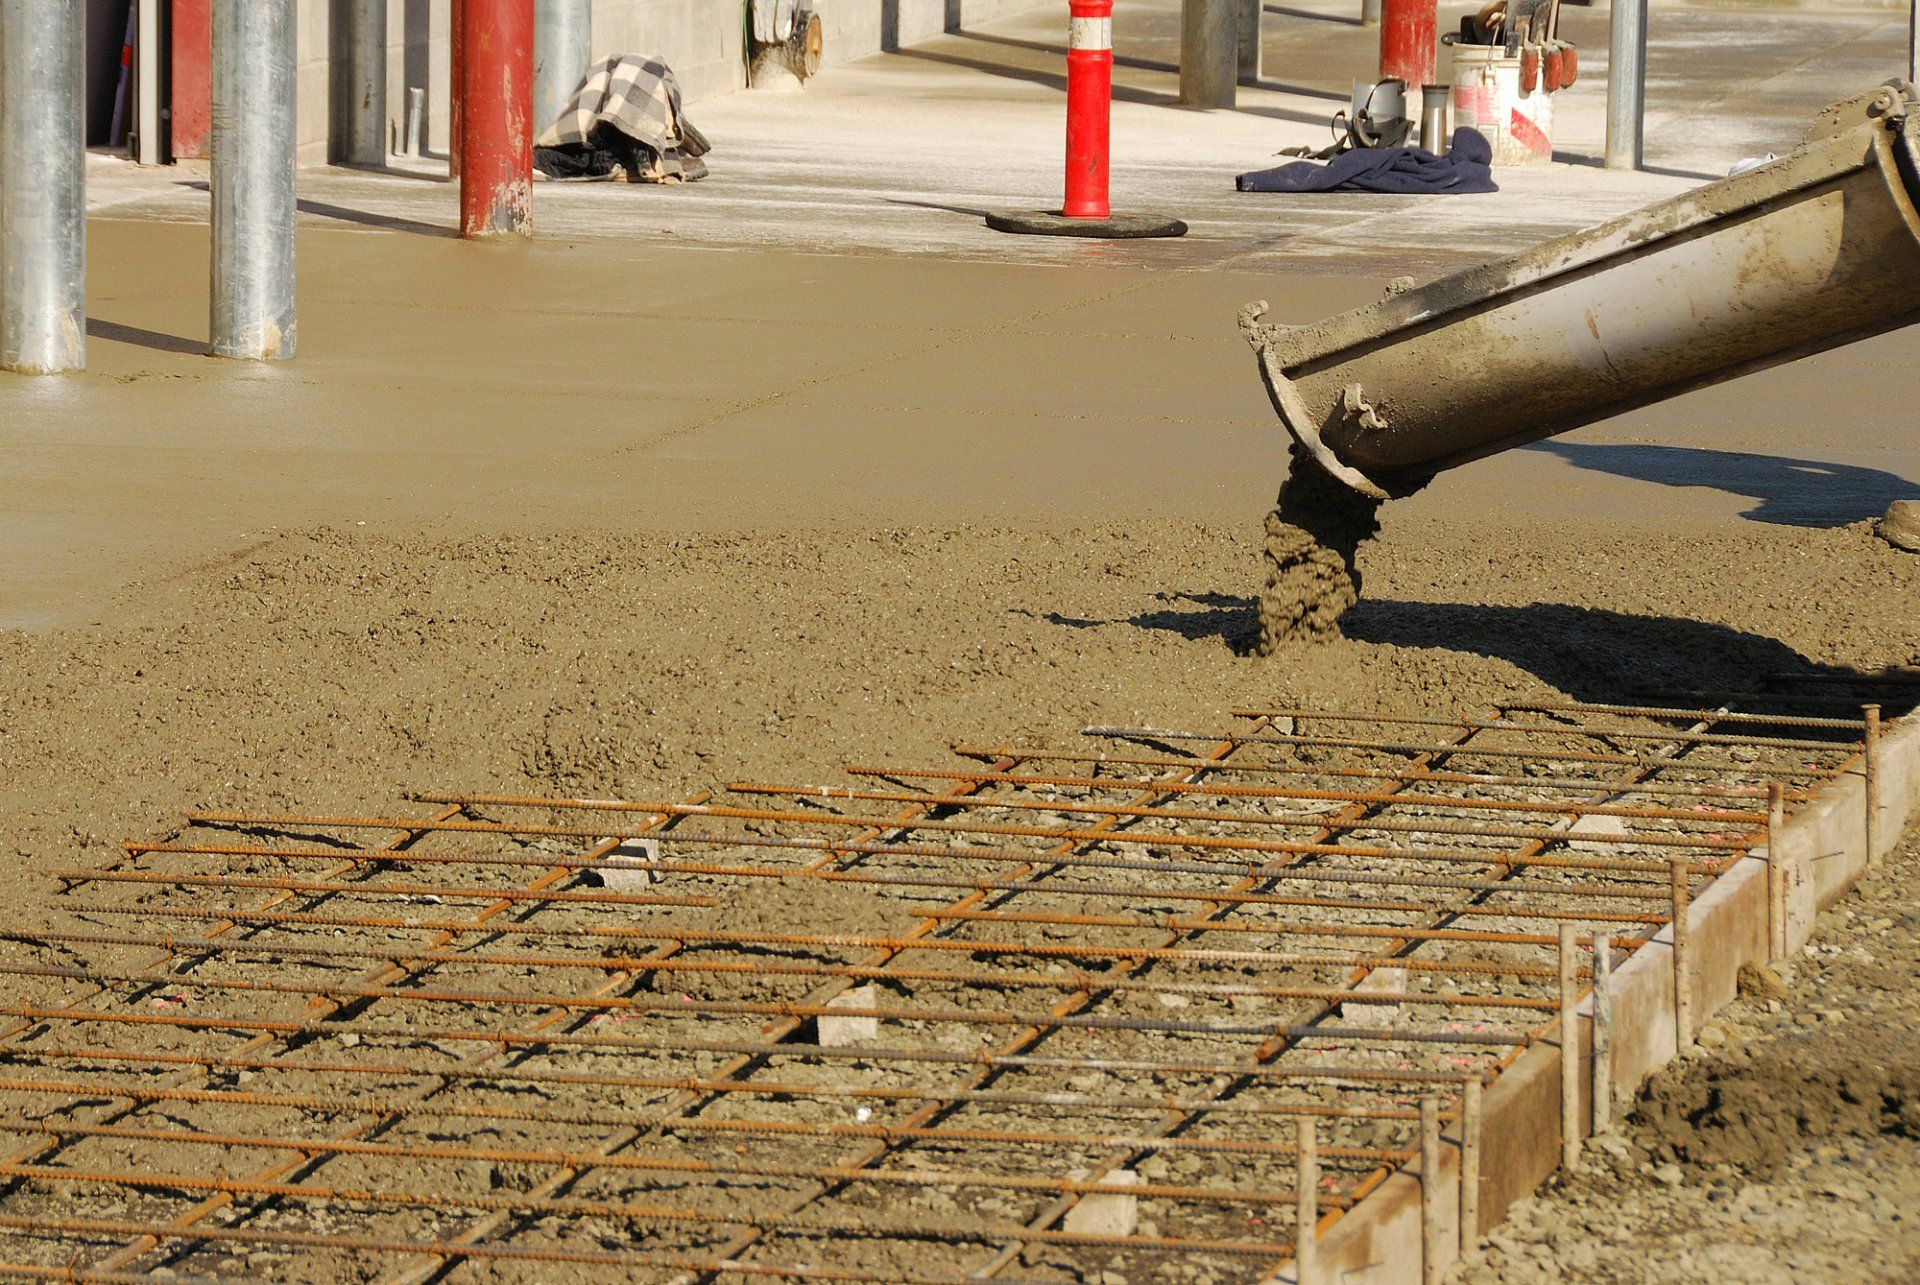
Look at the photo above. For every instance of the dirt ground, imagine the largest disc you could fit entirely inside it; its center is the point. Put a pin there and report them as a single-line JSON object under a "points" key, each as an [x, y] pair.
{"points": [[337, 669], [332, 668]]}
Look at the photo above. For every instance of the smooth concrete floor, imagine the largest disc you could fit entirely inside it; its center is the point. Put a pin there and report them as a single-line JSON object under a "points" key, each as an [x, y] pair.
{"points": [[640, 387]]}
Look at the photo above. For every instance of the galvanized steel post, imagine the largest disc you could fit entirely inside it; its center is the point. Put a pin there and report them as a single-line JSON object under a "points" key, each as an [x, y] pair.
{"points": [[253, 163], [1209, 52], [496, 117], [1250, 53], [562, 48], [1913, 42], [365, 119], [43, 193], [1626, 84]]}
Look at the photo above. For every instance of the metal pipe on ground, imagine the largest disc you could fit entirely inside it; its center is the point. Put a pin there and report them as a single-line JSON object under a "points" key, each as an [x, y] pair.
{"points": [[1627, 83], [253, 187], [43, 248], [496, 117], [1409, 39], [1209, 52], [363, 83], [562, 48]]}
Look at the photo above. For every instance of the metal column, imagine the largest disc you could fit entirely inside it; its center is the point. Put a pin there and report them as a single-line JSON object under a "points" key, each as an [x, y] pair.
{"points": [[253, 162], [1249, 15], [495, 58], [365, 83], [562, 48], [43, 188], [1209, 52], [1369, 13], [149, 133], [1913, 42], [1626, 84]]}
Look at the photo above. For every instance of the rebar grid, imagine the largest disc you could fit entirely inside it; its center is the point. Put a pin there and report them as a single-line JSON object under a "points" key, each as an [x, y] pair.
{"points": [[743, 1135]]}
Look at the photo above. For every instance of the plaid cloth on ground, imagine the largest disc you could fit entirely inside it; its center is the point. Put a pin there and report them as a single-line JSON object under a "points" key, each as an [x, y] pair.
{"points": [[640, 98]]}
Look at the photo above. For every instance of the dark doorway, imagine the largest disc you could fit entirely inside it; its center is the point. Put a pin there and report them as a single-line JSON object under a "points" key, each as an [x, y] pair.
{"points": [[107, 36]]}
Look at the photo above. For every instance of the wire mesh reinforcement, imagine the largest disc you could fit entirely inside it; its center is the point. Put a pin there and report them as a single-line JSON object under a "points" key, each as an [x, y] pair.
{"points": [[1161, 1002]]}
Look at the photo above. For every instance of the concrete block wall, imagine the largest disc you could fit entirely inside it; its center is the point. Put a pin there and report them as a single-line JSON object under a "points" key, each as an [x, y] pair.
{"points": [[703, 40]]}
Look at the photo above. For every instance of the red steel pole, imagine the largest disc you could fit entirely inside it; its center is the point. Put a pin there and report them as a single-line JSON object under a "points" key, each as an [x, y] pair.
{"points": [[1089, 108], [1409, 34], [496, 117]]}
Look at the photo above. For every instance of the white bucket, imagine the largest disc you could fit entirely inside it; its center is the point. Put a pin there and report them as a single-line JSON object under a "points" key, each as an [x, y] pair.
{"points": [[1487, 97]]}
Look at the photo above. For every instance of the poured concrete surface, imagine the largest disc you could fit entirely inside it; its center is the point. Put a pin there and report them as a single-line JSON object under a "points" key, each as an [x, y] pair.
{"points": [[642, 387]]}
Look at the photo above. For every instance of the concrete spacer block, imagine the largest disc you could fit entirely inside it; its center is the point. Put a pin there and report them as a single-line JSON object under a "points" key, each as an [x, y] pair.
{"points": [[1104, 1214], [641, 854], [839, 1032], [1375, 1016], [1603, 825]]}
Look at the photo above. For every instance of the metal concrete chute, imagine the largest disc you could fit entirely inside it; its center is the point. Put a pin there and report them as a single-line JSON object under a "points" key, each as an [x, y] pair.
{"points": [[1805, 253]]}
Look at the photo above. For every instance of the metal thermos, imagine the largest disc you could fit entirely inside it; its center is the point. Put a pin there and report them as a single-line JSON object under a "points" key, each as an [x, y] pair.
{"points": [[1434, 134]]}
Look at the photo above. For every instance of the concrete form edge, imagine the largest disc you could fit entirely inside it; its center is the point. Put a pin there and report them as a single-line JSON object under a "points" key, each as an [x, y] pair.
{"points": [[1824, 842]]}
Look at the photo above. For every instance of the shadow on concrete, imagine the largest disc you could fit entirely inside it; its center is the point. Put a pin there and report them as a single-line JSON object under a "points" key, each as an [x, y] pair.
{"points": [[1787, 491], [1299, 91], [1589, 653], [393, 222], [1311, 16], [365, 218], [115, 332], [1060, 51], [935, 205], [1056, 81], [1665, 171]]}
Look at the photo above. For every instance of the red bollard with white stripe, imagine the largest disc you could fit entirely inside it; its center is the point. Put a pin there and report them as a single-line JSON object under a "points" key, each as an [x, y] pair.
{"points": [[1088, 210], [1089, 108]]}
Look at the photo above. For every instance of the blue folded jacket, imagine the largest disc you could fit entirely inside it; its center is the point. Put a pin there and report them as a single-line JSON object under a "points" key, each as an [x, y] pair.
{"points": [[1465, 168]]}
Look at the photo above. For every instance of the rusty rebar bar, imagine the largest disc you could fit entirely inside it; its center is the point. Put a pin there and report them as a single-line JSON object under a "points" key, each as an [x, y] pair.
{"points": [[368, 1104], [492, 1251], [1662, 736], [1079, 981], [695, 1083], [420, 892], [969, 945], [1278, 820], [557, 1158], [584, 862], [733, 1008], [1385, 773], [1694, 715], [1172, 923], [997, 828], [1425, 747], [1029, 781]]}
